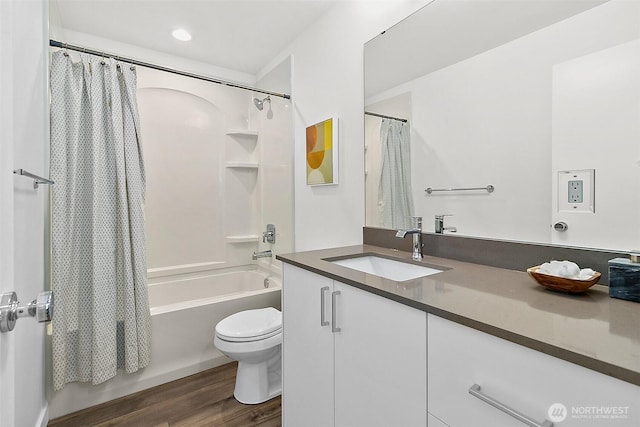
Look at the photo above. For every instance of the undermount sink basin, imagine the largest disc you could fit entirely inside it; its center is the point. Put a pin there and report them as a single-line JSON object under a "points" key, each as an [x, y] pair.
{"points": [[383, 267]]}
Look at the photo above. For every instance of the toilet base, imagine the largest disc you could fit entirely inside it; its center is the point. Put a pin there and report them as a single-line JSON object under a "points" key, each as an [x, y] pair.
{"points": [[259, 382]]}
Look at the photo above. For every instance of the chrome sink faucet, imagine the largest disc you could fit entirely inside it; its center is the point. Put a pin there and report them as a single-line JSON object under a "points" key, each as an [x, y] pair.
{"points": [[416, 232], [440, 228]]}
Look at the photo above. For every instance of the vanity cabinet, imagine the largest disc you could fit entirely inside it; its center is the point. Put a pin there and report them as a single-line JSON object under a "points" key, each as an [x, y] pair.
{"points": [[307, 350], [520, 378], [350, 357]]}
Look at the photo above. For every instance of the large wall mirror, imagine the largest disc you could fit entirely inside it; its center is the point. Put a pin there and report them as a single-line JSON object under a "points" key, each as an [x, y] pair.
{"points": [[539, 99]]}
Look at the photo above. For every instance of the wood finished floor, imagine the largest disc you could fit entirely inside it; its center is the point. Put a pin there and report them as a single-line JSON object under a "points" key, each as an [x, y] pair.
{"points": [[203, 399]]}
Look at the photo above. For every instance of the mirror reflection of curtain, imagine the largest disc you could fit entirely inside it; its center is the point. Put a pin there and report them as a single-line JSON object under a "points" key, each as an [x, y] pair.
{"points": [[395, 198]]}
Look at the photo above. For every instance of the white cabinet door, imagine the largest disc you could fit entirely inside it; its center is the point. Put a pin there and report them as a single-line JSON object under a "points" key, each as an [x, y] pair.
{"points": [[533, 383], [307, 351], [380, 361]]}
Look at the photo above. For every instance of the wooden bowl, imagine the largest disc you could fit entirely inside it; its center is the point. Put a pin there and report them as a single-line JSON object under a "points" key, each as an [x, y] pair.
{"points": [[562, 284]]}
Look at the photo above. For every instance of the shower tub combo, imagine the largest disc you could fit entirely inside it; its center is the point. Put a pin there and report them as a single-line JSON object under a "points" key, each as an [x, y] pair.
{"points": [[183, 317]]}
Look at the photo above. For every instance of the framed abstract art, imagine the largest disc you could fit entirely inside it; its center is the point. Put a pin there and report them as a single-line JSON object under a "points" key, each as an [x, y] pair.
{"points": [[322, 153]]}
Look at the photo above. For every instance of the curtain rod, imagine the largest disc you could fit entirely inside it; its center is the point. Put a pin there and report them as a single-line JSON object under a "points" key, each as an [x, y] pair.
{"points": [[55, 43], [386, 117]]}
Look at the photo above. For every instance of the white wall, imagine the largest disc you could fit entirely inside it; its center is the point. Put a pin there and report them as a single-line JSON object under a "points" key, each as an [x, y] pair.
{"points": [[275, 144], [276, 79], [328, 81], [24, 123]]}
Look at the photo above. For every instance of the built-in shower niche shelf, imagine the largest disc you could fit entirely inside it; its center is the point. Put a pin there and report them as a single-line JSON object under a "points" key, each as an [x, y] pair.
{"points": [[248, 238], [242, 165], [242, 132]]}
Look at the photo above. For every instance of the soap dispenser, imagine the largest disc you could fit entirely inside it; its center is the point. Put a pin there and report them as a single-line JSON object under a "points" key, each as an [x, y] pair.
{"points": [[624, 277]]}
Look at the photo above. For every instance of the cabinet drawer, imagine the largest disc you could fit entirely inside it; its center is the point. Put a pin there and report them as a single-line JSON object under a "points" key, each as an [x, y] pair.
{"points": [[523, 379]]}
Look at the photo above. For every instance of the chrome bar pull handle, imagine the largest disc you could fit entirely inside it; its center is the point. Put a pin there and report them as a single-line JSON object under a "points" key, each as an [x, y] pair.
{"points": [[474, 390], [323, 320], [334, 312]]}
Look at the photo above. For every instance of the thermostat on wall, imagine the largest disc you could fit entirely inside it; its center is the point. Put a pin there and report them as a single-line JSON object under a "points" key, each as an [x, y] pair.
{"points": [[576, 191]]}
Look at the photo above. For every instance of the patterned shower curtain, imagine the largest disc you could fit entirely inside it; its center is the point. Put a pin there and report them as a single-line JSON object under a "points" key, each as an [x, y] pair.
{"points": [[102, 321], [395, 197]]}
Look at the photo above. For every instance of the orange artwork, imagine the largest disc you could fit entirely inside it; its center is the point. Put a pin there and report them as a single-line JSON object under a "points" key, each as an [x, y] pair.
{"points": [[321, 165]]}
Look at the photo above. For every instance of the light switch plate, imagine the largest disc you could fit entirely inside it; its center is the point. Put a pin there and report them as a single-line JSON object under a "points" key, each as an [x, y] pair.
{"points": [[576, 191]]}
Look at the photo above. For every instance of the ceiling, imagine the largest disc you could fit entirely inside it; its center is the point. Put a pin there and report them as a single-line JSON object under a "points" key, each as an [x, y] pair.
{"points": [[240, 35]]}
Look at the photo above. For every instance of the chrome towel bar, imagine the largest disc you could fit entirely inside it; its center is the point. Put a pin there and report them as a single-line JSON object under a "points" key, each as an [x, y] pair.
{"points": [[488, 189], [36, 179]]}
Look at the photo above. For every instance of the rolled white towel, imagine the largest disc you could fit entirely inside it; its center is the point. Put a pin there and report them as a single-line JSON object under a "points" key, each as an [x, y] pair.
{"points": [[566, 269], [586, 274]]}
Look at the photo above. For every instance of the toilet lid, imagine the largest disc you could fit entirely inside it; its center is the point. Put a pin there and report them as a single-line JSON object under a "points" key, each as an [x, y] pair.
{"points": [[250, 324]]}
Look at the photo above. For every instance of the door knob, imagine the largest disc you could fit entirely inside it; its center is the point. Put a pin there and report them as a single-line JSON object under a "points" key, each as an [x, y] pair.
{"points": [[10, 309]]}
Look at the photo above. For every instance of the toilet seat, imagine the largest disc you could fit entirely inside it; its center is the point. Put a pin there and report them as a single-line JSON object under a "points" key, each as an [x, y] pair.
{"points": [[250, 325], [248, 339]]}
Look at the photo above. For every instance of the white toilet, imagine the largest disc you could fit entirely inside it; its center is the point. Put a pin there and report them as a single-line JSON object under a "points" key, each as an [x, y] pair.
{"points": [[254, 339]]}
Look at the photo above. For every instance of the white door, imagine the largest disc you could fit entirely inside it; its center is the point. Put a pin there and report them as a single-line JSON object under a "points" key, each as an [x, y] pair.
{"points": [[23, 133], [307, 349], [7, 341], [380, 361]]}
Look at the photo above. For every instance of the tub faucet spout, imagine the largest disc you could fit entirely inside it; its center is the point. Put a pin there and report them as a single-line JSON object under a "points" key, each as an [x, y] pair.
{"points": [[416, 232], [262, 254]]}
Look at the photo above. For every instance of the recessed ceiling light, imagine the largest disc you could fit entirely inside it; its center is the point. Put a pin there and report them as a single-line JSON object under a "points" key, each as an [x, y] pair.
{"points": [[181, 34]]}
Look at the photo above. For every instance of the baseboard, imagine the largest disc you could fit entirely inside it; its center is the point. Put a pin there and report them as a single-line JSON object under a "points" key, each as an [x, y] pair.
{"points": [[43, 419]]}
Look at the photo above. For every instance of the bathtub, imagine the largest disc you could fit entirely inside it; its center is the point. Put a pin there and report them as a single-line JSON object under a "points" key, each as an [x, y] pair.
{"points": [[165, 297], [184, 314], [183, 317]]}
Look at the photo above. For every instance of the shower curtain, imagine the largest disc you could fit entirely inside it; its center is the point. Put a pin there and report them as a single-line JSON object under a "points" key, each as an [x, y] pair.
{"points": [[102, 321], [395, 198]]}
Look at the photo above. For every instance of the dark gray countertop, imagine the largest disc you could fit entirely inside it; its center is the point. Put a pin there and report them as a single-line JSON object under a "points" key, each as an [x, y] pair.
{"points": [[589, 329]]}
